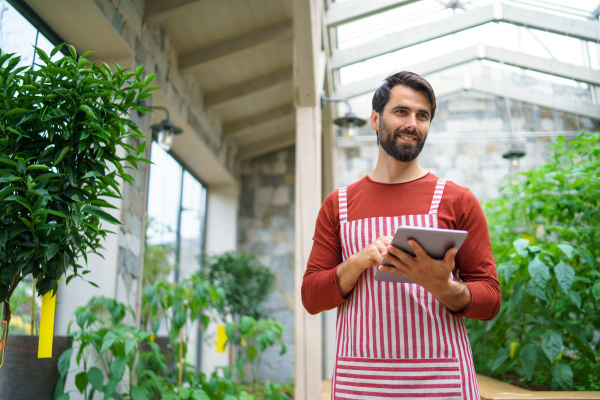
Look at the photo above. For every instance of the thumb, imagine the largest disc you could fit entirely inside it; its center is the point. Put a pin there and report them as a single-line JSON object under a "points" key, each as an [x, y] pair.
{"points": [[450, 254]]}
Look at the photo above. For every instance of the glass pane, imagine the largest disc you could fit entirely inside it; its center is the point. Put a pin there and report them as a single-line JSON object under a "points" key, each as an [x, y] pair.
{"points": [[192, 224], [17, 35], [163, 197]]}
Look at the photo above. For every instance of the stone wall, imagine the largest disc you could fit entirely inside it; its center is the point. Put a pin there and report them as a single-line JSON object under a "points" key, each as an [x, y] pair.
{"points": [[266, 229], [468, 136], [152, 48]]}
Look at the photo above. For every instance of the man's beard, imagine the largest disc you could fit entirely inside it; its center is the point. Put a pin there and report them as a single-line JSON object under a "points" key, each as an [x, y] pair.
{"points": [[404, 152]]}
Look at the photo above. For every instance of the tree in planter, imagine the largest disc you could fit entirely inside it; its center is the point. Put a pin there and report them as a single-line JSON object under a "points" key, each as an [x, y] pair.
{"points": [[64, 136], [545, 231]]}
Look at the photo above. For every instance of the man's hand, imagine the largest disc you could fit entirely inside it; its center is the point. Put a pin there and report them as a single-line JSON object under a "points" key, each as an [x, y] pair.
{"points": [[433, 275], [349, 271]]}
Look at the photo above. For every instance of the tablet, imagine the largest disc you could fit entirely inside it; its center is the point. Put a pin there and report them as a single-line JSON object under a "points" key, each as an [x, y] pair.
{"points": [[436, 242]]}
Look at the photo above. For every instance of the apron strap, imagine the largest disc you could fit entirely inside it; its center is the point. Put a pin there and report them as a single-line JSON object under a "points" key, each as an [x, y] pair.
{"points": [[437, 196], [343, 199]]}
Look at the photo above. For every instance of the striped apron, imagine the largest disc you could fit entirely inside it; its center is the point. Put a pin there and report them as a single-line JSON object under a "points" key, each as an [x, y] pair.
{"points": [[395, 340]]}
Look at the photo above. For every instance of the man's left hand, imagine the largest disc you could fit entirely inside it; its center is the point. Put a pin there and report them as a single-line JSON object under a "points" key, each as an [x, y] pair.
{"points": [[433, 275]]}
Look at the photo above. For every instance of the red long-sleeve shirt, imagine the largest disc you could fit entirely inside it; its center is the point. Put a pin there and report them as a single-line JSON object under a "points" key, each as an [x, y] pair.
{"points": [[459, 209]]}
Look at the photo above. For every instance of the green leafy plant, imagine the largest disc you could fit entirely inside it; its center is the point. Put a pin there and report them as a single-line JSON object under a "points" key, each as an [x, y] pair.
{"points": [[117, 360], [251, 338], [246, 281], [545, 231], [107, 354], [64, 142]]}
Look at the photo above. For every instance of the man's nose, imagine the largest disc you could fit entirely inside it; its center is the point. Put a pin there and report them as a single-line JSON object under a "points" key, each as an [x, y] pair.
{"points": [[411, 123]]}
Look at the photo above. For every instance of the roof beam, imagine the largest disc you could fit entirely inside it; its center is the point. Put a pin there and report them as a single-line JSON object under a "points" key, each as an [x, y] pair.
{"points": [[481, 52], [159, 10], [517, 93], [586, 30], [348, 11], [246, 42], [267, 146], [257, 122], [248, 88]]}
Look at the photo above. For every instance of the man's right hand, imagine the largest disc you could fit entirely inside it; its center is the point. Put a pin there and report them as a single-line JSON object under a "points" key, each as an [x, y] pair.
{"points": [[350, 270]]}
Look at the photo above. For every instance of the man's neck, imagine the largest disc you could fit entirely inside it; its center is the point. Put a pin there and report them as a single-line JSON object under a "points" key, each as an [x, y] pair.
{"points": [[390, 170]]}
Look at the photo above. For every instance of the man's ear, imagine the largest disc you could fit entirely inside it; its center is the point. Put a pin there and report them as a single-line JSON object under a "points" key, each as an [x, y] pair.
{"points": [[375, 120]]}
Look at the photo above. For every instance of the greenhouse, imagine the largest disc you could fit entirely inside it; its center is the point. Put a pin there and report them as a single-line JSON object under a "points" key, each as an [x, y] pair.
{"points": [[163, 167]]}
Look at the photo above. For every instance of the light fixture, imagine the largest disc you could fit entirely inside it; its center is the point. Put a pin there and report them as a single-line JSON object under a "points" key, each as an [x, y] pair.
{"points": [[164, 132], [350, 122], [513, 154]]}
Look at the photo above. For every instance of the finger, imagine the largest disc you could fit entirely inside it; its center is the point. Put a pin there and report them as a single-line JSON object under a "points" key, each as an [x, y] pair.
{"points": [[450, 254], [419, 252]]}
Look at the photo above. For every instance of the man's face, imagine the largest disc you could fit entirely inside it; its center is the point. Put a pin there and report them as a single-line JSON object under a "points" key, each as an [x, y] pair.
{"points": [[403, 124]]}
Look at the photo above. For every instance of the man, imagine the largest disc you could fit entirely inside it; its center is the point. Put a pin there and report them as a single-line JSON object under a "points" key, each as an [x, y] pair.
{"points": [[399, 339]]}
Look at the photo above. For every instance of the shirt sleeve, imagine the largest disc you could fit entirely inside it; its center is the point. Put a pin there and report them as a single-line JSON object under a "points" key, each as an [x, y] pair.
{"points": [[320, 287], [475, 262]]}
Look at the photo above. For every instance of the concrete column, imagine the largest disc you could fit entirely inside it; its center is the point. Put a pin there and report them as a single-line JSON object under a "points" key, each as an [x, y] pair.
{"points": [[221, 235]]}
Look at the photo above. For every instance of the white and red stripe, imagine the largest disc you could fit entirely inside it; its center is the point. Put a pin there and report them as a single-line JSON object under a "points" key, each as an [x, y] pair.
{"points": [[396, 339]]}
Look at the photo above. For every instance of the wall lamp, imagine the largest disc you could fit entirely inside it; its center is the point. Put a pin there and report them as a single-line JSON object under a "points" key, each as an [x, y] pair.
{"points": [[164, 132], [513, 154], [349, 122]]}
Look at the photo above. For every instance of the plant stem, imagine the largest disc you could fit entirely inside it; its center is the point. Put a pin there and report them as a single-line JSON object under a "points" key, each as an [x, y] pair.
{"points": [[180, 356], [6, 313], [32, 306]]}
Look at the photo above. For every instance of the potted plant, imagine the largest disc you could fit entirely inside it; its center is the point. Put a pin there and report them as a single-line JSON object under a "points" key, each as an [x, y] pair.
{"points": [[64, 142]]}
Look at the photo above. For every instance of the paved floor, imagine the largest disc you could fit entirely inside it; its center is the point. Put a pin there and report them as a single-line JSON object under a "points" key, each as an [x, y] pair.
{"points": [[326, 390]]}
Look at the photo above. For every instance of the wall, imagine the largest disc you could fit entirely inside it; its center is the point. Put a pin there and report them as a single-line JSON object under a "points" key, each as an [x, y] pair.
{"points": [[266, 229]]}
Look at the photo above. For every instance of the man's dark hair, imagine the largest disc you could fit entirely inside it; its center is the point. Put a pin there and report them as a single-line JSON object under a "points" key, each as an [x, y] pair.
{"points": [[405, 78]]}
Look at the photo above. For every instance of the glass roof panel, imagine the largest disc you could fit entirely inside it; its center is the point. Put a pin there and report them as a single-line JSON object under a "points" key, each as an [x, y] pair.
{"points": [[502, 35]]}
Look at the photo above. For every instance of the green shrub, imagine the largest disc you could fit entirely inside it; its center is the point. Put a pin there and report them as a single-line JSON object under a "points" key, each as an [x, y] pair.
{"points": [[545, 231], [246, 281]]}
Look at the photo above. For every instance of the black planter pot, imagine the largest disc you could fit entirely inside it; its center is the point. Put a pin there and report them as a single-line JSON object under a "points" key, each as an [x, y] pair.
{"points": [[23, 375]]}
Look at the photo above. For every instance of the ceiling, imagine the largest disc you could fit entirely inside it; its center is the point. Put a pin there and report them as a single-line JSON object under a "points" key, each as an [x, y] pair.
{"points": [[240, 53]]}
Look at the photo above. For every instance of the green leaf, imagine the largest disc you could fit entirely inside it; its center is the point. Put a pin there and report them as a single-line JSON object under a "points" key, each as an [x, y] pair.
{"points": [[567, 249], [179, 318], [246, 323], [50, 251], [521, 246], [139, 393], [230, 330], [552, 344], [57, 213], [539, 272], [64, 362], [72, 50], [565, 275], [563, 374], [130, 345], [81, 381], [580, 342], [109, 339], [585, 255], [96, 378], [117, 368], [251, 353], [8, 161], [62, 155], [101, 214], [16, 111], [527, 358], [139, 70], [596, 290], [149, 78], [88, 111], [575, 298]]}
